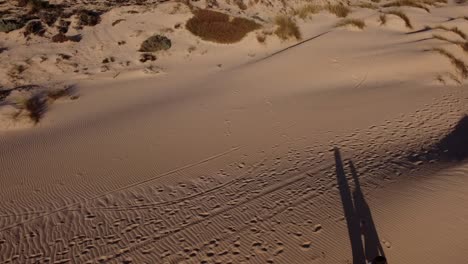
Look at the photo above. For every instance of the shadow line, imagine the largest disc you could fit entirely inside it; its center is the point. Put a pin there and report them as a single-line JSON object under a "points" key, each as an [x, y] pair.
{"points": [[363, 237]]}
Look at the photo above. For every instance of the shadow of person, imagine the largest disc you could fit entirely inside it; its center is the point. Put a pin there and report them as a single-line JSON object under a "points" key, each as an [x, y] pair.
{"points": [[352, 220], [372, 246], [365, 243]]}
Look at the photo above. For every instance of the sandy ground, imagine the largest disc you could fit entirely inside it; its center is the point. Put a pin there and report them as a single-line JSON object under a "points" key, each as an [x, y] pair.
{"points": [[343, 146]]}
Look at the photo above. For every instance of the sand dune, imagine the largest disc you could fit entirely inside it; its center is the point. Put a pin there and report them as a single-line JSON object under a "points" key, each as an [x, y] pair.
{"points": [[242, 153]]}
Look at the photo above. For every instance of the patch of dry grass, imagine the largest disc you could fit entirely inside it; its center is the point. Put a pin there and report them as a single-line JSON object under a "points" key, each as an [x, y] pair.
{"points": [[410, 3], [461, 44], [383, 19], [352, 22], [457, 63], [305, 11], [367, 5], [338, 9], [401, 15], [287, 28], [36, 106], [455, 30], [219, 27]]}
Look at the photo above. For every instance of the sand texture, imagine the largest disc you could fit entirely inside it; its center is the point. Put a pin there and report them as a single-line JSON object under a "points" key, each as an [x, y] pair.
{"points": [[334, 145]]}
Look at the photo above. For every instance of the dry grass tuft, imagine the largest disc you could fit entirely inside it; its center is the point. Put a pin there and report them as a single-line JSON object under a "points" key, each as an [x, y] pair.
{"points": [[440, 37], [403, 16], [461, 44], [383, 19], [410, 3], [459, 64], [34, 5], [453, 29], [367, 5], [338, 9], [219, 27], [287, 28], [66, 92], [305, 11], [36, 106], [352, 22]]}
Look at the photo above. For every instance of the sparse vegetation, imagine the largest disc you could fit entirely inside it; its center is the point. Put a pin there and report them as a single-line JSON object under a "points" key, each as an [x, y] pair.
{"points": [[457, 63], [410, 3], [305, 11], [156, 43], [7, 25], [219, 27], [352, 22], [383, 19], [88, 18], [461, 44], [15, 72], [401, 15], [57, 94], [240, 4], [338, 9], [261, 38], [455, 30], [287, 28], [367, 5], [117, 22], [147, 57], [60, 38], [35, 5], [34, 27], [36, 106]]}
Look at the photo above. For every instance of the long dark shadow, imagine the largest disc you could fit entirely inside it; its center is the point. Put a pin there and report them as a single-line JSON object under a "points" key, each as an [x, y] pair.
{"points": [[372, 246], [351, 217]]}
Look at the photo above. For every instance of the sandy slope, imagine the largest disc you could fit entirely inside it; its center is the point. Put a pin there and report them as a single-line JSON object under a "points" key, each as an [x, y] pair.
{"points": [[236, 164]]}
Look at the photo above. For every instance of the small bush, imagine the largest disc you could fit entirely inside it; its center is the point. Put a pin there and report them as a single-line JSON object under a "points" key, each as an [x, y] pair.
{"points": [[383, 19], [60, 38], [49, 17], [306, 10], [37, 5], [351, 21], [403, 16], [66, 92], [88, 18], [338, 9], [287, 28], [36, 107], [34, 27], [156, 43], [7, 25], [261, 38], [219, 27], [147, 57]]}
